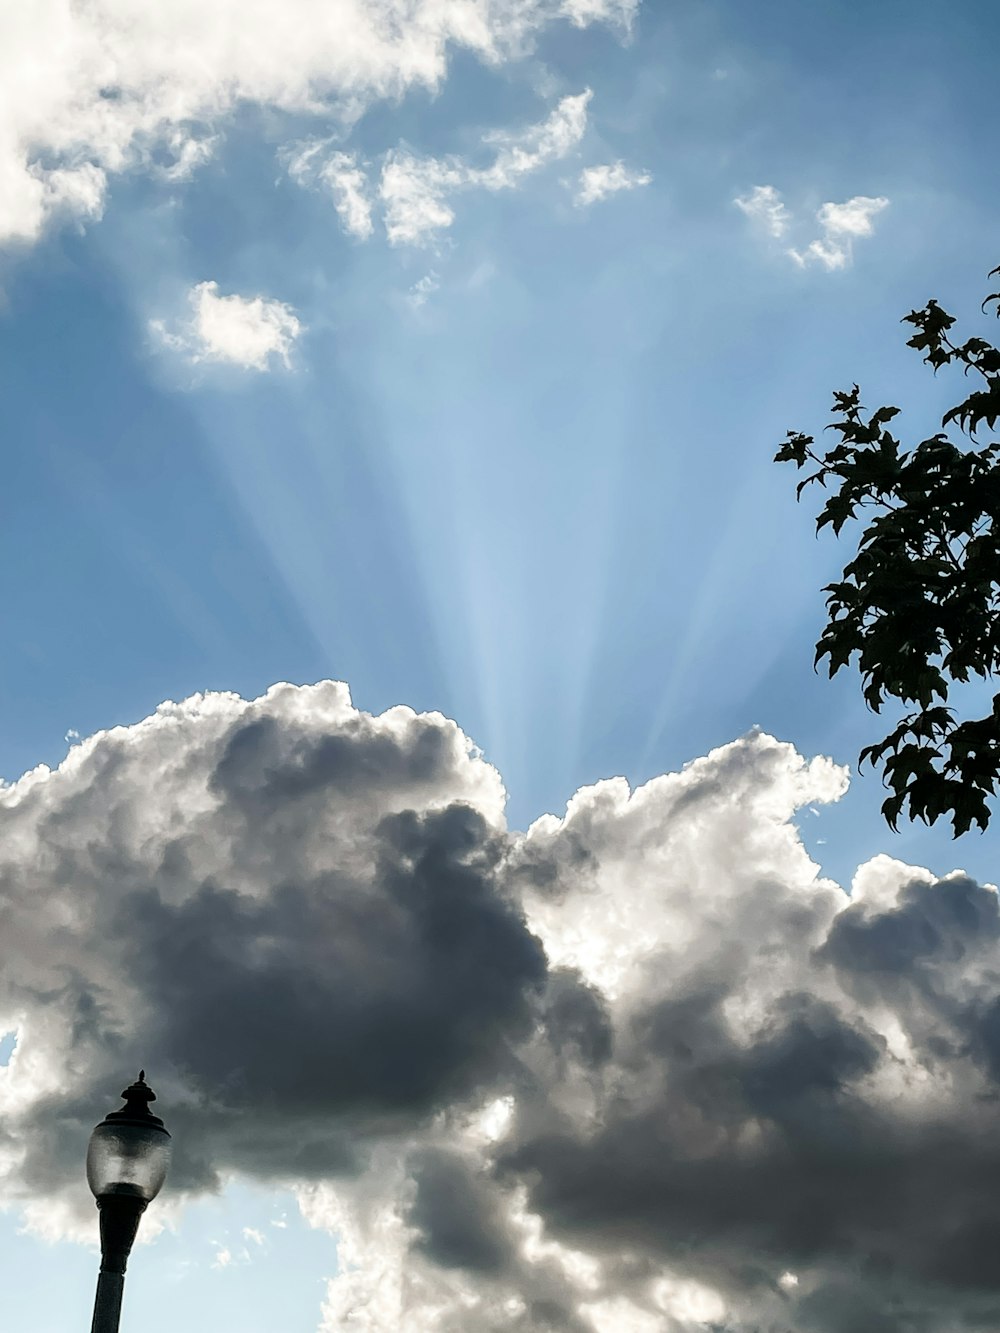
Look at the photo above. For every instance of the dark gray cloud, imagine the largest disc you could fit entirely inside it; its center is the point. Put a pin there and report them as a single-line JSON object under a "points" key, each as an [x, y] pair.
{"points": [[290, 911], [637, 1070], [455, 1213]]}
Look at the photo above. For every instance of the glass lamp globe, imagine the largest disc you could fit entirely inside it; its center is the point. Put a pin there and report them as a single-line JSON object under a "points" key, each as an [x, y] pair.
{"points": [[129, 1151]]}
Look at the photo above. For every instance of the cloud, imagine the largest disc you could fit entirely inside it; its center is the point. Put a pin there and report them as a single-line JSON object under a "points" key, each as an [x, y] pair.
{"points": [[584, 12], [840, 224], [600, 182], [104, 88], [245, 331], [415, 192], [640, 1067], [423, 289], [305, 916], [187, 154], [520, 154], [342, 177], [764, 205]]}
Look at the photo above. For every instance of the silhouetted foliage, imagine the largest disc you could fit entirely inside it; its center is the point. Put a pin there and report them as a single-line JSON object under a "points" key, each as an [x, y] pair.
{"points": [[920, 603]]}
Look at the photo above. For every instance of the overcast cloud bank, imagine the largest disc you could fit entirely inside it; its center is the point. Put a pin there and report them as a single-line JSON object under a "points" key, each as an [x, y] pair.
{"points": [[638, 1068]]}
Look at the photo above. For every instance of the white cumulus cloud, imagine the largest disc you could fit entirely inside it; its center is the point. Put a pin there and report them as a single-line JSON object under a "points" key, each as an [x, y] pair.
{"points": [[599, 182], [841, 224], [245, 331], [87, 91]]}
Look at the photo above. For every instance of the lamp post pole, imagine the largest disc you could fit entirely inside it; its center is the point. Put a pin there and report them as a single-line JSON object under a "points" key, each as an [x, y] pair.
{"points": [[127, 1163]]}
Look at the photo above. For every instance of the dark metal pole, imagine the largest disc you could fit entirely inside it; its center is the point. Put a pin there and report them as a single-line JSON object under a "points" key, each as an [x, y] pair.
{"points": [[120, 1215], [108, 1302]]}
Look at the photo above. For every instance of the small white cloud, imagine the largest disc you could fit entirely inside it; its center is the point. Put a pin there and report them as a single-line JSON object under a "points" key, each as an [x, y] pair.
{"points": [[71, 735], [342, 177], [414, 191], [764, 205], [223, 1258], [251, 1233], [189, 154], [830, 255], [421, 290], [597, 183], [279, 1223], [853, 218], [528, 151], [582, 12], [841, 223], [788, 1281], [236, 330]]}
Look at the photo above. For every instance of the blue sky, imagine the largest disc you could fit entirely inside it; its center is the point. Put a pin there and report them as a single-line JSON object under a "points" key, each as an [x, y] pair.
{"points": [[519, 471]]}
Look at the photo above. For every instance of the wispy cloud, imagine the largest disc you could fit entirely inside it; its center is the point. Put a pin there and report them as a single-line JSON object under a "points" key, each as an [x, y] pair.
{"points": [[223, 1257], [414, 192], [189, 153], [521, 153], [250, 332], [421, 290], [840, 224], [599, 182], [342, 177], [764, 206]]}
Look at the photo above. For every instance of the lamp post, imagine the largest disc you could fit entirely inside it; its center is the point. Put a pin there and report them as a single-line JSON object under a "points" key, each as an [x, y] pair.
{"points": [[127, 1161]]}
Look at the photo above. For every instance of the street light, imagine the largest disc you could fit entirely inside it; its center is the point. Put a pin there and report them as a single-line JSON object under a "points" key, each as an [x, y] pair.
{"points": [[127, 1161]]}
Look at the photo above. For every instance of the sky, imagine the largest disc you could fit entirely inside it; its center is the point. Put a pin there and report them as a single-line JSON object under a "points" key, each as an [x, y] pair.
{"points": [[412, 750]]}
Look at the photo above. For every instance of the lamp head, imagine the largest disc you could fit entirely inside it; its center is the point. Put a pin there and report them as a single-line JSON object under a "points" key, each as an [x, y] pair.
{"points": [[129, 1151]]}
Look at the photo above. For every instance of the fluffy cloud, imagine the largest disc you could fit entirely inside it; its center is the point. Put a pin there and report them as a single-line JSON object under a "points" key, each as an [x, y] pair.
{"points": [[840, 224], [282, 904], [413, 192], [87, 91], [638, 1068], [245, 331], [597, 183]]}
